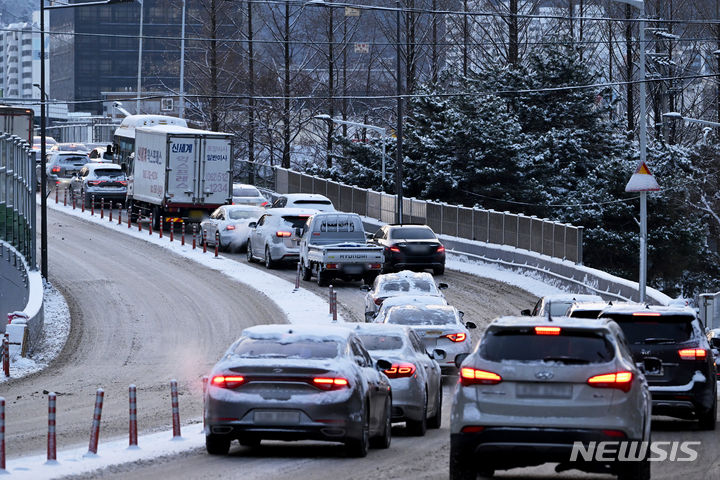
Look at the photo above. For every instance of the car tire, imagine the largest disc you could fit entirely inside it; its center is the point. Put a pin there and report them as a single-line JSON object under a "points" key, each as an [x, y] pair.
{"points": [[306, 273], [461, 468], [417, 428], [269, 262], [323, 278], [383, 441], [636, 470], [435, 421], [249, 253], [707, 420], [157, 223], [358, 447], [437, 271], [217, 444]]}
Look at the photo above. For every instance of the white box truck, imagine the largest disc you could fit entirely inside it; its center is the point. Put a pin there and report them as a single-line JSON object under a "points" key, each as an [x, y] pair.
{"points": [[179, 173]]}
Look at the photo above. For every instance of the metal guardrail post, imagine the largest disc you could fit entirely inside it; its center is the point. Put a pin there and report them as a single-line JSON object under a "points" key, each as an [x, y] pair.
{"points": [[580, 245]]}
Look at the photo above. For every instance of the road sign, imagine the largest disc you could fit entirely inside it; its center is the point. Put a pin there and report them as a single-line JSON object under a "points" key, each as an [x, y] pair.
{"points": [[352, 12], [362, 48], [642, 180]]}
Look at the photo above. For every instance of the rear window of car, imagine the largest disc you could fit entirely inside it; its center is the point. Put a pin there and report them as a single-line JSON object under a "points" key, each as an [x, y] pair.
{"points": [[666, 329], [312, 202], [395, 286], [416, 316], [584, 313], [575, 348], [294, 221], [239, 214], [108, 172], [382, 342], [412, 233], [301, 349], [245, 192], [70, 159]]}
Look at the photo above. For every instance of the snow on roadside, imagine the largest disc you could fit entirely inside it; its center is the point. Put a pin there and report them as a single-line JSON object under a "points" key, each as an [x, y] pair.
{"points": [[55, 333]]}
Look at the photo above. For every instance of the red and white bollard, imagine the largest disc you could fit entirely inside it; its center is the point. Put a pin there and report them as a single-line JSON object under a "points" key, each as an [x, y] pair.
{"points": [[217, 242], [92, 205], [194, 235], [175, 409], [335, 315], [56, 193], [97, 414], [130, 216], [102, 207], [51, 440], [2, 434], [330, 299], [133, 432], [119, 213], [65, 197], [151, 223], [297, 279], [182, 226], [110, 212], [204, 241], [161, 222], [172, 231], [6, 355], [82, 204]]}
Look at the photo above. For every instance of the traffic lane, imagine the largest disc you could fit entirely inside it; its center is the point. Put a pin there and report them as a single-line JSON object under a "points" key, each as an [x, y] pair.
{"points": [[140, 315]]}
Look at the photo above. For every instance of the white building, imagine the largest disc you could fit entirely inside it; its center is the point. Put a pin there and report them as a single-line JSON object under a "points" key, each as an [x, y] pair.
{"points": [[16, 61]]}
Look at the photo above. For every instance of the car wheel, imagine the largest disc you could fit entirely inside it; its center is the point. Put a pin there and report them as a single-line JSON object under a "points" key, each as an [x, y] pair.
{"points": [[269, 262], [437, 271], [323, 278], [708, 419], [383, 441], [217, 444], [417, 428], [461, 468], [306, 273], [249, 253], [435, 421], [157, 220], [358, 447]]}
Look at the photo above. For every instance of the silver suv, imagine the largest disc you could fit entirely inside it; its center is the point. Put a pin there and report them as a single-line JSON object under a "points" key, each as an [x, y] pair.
{"points": [[532, 388], [274, 238]]}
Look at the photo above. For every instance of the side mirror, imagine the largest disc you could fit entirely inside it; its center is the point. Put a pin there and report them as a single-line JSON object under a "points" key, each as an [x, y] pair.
{"points": [[252, 224], [442, 285], [525, 313], [365, 288], [470, 325], [437, 354], [460, 358], [462, 314], [383, 364]]}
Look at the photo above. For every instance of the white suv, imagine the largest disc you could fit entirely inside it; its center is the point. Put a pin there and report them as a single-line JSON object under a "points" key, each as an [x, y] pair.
{"points": [[532, 388], [275, 238]]}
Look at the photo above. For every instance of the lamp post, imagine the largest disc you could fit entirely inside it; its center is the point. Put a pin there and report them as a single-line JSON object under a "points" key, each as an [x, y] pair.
{"points": [[708, 124], [43, 126], [381, 130], [140, 48], [640, 5], [181, 107]]}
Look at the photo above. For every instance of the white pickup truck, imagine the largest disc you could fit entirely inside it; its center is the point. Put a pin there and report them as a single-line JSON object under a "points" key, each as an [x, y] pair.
{"points": [[333, 245]]}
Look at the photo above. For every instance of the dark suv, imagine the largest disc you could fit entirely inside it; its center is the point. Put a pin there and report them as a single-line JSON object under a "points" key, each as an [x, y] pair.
{"points": [[671, 345], [414, 247]]}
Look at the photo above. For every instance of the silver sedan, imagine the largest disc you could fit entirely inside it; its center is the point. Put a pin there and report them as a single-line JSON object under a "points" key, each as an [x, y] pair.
{"points": [[415, 376], [291, 382], [231, 222]]}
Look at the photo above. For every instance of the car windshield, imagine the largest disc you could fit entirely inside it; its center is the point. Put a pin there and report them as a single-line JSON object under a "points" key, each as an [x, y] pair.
{"points": [[295, 221], [419, 316], [560, 308], [111, 173], [241, 214], [405, 285], [73, 159], [568, 347], [659, 329], [277, 348], [382, 342], [245, 192], [412, 233]]}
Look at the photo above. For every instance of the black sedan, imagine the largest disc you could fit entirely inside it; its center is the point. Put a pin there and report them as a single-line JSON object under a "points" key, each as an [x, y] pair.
{"points": [[414, 247]]}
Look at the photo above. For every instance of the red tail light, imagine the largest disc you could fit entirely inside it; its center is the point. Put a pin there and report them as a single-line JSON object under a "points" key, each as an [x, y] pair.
{"points": [[379, 300], [331, 383], [441, 249], [283, 233], [331, 266], [547, 330], [395, 249], [456, 337], [230, 227], [472, 429], [227, 381], [471, 376], [399, 370], [614, 433], [375, 266], [620, 380], [264, 204], [646, 314], [94, 183], [122, 182], [55, 170], [693, 354]]}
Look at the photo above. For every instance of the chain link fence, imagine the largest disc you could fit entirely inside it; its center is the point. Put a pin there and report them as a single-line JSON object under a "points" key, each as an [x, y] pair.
{"points": [[541, 235], [17, 196]]}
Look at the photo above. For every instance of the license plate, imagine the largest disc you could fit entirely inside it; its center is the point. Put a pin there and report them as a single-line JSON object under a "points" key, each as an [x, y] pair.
{"points": [[196, 214], [433, 332], [353, 269], [543, 390], [276, 417]]}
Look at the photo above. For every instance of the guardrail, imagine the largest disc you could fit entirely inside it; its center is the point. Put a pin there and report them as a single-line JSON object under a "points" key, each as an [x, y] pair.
{"points": [[17, 195]]}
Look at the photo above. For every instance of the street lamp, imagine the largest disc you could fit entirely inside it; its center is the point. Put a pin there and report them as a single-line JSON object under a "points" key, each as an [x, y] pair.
{"points": [[640, 5], [381, 130], [43, 126], [708, 124]]}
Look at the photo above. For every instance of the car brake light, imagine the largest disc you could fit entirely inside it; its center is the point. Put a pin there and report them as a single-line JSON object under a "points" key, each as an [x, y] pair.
{"points": [[547, 330], [646, 314], [614, 433], [379, 300], [331, 266], [230, 227], [440, 249], [693, 354], [94, 183], [375, 266], [395, 249], [282, 233], [471, 376], [264, 204], [456, 337], [330, 383], [55, 170], [227, 381], [399, 370], [122, 182], [619, 380], [472, 429]]}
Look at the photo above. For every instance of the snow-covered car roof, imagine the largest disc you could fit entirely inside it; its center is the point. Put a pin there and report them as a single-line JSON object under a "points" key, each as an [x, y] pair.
{"points": [[252, 208], [305, 196], [102, 166], [417, 300], [562, 322], [572, 297], [290, 211], [628, 308], [413, 280], [380, 329], [317, 332], [427, 312]]}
